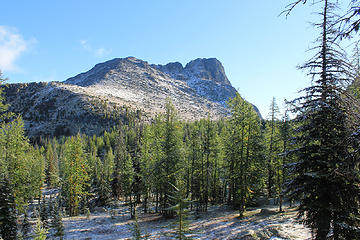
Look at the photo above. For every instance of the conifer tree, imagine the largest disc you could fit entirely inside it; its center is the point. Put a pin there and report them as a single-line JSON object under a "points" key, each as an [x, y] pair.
{"points": [[57, 223], [136, 230], [75, 175], [327, 179], [147, 162], [52, 167], [25, 226], [181, 210], [242, 128], [40, 231], [123, 170], [44, 213], [285, 134], [194, 158], [273, 145], [105, 171], [8, 224], [20, 162], [172, 156]]}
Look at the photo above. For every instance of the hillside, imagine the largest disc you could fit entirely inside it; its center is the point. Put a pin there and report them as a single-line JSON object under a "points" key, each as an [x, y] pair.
{"points": [[101, 97]]}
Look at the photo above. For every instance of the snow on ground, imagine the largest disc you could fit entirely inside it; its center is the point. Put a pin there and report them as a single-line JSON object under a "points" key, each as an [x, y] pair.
{"points": [[219, 222]]}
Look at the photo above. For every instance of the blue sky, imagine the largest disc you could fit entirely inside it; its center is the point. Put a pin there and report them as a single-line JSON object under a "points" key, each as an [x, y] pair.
{"points": [[55, 40]]}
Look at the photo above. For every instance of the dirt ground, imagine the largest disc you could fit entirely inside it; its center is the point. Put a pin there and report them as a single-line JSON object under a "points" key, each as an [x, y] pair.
{"points": [[219, 222]]}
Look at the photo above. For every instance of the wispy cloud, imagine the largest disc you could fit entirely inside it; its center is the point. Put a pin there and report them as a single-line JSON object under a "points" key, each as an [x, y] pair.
{"points": [[98, 52], [12, 45]]}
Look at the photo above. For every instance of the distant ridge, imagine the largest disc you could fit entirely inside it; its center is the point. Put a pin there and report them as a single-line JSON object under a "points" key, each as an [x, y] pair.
{"points": [[84, 102]]}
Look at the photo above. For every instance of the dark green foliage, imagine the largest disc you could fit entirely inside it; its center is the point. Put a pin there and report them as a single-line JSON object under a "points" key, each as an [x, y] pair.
{"points": [[123, 171], [8, 224], [25, 225], [273, 151], [4, 114], [326, 178], [181, 209], [136, 231], [52, 165], [40, 231], [44, 213], [243, 154], [170, 161], [57, 223]]}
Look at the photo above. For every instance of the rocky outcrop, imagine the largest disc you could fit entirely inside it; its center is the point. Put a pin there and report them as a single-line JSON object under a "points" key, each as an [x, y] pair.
{"points": [[206, 76]]}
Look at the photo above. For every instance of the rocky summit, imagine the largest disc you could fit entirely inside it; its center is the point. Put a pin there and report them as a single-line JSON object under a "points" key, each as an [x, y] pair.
{"points": [[95, 100]]}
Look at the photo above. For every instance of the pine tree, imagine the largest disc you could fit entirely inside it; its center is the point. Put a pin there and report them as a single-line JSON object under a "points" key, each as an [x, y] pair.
{"points": [[180, 208], [44, 213], [171, 157], [20, 162], [194, 162], [285, 133], [57, 223], [40, 231], [242, 129], [327, 179], [8, 224], [105, 174], [25, 226], [273, 141], [52, 168], [4, 113], [136, 230]]}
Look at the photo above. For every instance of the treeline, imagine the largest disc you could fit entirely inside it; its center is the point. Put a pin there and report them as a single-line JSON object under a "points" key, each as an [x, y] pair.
{"points": [[236, 161]]}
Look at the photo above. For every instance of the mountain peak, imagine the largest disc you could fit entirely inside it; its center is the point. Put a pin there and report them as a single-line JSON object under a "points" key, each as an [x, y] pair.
{"points": [[208, 69], [205, 76], [86, 101]]}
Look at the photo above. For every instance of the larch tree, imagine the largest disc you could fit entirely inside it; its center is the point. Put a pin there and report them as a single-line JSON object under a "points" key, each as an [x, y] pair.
{"points": [[273, 149], [75, 175], [242, 128], [171, 158]]}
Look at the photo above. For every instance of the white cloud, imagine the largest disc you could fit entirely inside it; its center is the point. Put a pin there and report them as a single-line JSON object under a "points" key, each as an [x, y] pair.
{"points": [[98, 52], [12, 45]]}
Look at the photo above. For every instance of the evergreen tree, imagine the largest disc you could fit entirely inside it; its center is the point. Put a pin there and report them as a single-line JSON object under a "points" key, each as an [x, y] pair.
{"points": [[194, 162], [8, 224], [20, 162], [4, 113], [40, 231], [57, 223], [52, 167], [25, 226], [274, 150], [105, 171], [327, 172], [242, 129], [285, 133], [170, 162], [136, 231], [44, 214], [180, 208], [75, 175]]}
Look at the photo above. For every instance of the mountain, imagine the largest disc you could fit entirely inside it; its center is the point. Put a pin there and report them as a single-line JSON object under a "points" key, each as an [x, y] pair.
{"points": [[101, 97]]}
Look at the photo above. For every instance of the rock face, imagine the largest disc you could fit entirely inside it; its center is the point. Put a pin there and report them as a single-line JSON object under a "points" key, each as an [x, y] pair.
{"points": [[97, 99], [206, 76], [203, 77]]}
